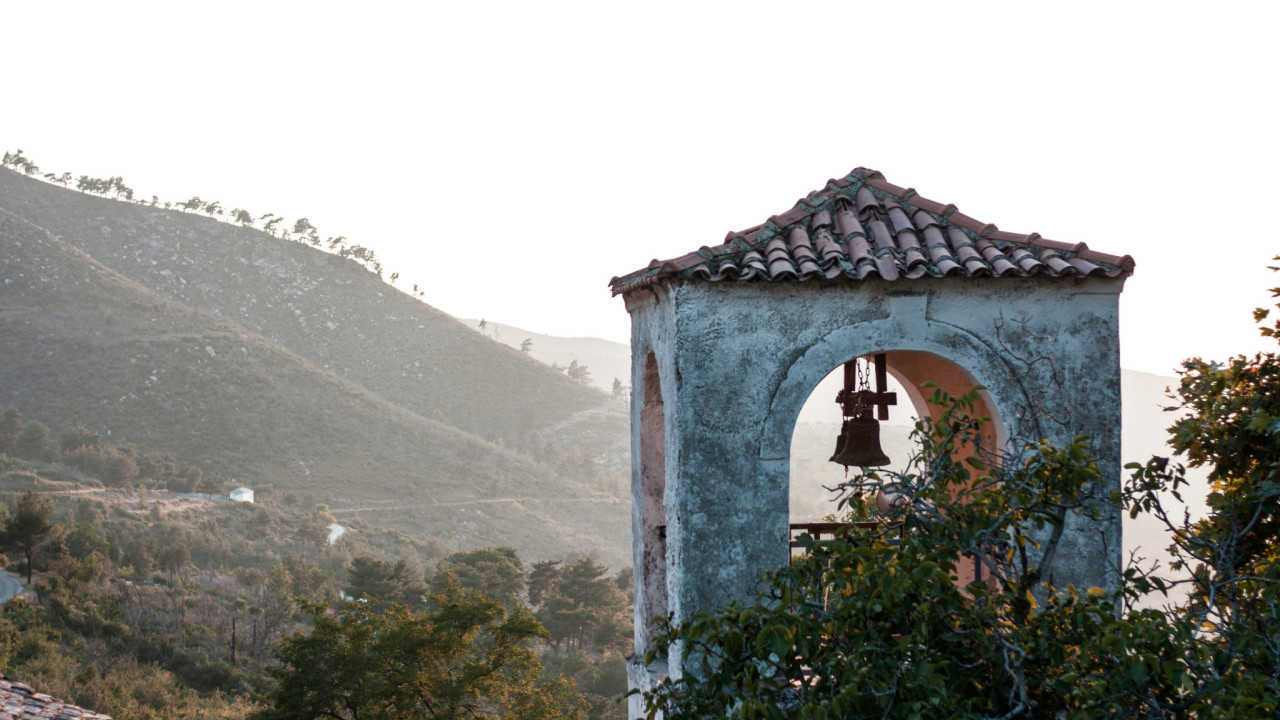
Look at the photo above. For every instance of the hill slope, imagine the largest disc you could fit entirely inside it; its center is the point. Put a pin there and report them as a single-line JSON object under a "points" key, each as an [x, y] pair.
{"points": [[84, 345], [326, 309]]}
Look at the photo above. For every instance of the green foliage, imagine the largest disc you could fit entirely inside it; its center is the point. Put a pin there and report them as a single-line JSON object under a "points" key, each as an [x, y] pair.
{"points": [[384, 582], [74, 438], [31, 440], [578, 372], [18, 161], [582, 606], [467, 657], [110, 632], [10, 427], [28, 524], [496, 573]]}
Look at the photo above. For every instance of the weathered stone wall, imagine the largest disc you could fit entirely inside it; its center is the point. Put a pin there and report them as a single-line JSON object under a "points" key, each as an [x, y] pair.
{"points": [[737, 362]]}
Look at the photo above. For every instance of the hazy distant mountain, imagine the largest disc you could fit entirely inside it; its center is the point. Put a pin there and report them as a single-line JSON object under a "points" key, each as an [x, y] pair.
{"points": [[275, 363], [604, 358]]}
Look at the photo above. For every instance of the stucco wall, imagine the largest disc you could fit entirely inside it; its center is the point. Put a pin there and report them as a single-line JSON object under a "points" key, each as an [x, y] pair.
{"points": [[737, 362]]}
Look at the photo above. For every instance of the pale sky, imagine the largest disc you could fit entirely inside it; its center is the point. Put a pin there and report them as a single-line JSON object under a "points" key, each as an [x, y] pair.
{"points": [[512, 157]]}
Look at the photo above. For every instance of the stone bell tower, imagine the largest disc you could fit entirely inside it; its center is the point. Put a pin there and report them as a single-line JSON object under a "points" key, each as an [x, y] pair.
{"points": [[728, 342]]}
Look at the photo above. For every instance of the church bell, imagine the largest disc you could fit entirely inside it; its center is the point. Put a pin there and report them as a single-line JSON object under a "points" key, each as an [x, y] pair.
{"points": [[859, 441], [859, 444]]}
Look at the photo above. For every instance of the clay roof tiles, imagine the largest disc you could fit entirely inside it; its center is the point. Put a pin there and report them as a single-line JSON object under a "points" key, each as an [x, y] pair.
{"points": [[19, 702], [860, 227]]}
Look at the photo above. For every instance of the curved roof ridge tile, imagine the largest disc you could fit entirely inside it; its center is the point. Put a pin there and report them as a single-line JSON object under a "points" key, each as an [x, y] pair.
{"points": [[882, 237], [899, 218], [923, 219], [862, 225], [866, 199], [1057, 264], [994, 257], [1085, 267], [826, 245], [929, 206], [917, 272], [858, 249], [847, 224], [1055, 245], [971, 224], [1023, 258], [781, 268], [880, 183]]}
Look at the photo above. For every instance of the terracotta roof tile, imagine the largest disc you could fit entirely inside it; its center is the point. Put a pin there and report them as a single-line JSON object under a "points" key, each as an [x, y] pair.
{"points": [[862, 226], [19, 702]]}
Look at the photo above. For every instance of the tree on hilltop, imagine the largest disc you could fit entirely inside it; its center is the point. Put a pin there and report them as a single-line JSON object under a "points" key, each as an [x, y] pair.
{"points": [[18, 161], [304, 228], [116, 185], [578, 372]]}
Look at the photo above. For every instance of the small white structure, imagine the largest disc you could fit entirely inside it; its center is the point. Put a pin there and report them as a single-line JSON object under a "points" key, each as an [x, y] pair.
{"points": [[242, 494]]}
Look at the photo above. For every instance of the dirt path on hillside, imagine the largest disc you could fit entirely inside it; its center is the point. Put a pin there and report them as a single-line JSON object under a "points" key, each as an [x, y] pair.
{"points": [[474, 502]]}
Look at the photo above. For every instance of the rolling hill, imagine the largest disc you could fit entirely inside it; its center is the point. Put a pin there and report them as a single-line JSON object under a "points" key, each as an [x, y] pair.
{"points": [[321, 307], [463, 439]]}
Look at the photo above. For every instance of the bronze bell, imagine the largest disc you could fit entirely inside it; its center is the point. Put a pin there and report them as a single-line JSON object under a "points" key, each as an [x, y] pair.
{"points": [[859, 444]]}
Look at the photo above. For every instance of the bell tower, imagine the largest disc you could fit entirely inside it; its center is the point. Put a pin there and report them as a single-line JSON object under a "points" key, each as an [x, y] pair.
{"points": [[728, 342]]}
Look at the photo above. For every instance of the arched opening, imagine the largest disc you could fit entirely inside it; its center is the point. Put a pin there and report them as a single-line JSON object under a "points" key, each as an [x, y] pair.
{"points": [[652, 602], [814, 439], [913, 376]]}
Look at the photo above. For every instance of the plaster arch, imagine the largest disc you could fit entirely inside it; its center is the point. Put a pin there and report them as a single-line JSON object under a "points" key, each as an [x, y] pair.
{"points": [[949, 347]]}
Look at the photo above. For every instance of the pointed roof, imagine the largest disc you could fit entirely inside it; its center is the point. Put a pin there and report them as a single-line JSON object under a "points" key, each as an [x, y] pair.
{"points": [[860, 227]]}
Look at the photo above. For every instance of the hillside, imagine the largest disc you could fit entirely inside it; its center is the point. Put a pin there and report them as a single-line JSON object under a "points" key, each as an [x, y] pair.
{"points": [[326, 309], [83, 344]]}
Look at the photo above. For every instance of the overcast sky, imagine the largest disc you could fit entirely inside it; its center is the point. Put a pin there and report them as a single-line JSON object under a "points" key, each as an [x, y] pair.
{"points": [[512, 157]]}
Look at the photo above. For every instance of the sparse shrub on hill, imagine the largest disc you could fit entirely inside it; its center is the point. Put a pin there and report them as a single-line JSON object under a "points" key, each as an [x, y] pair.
{"points": [[31, 441], [10, 427]]}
